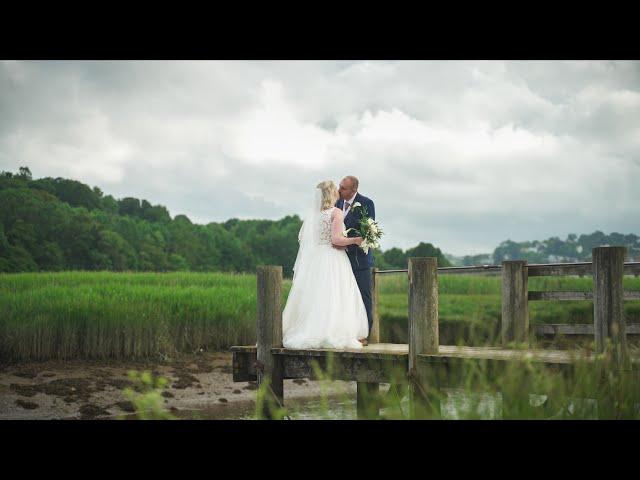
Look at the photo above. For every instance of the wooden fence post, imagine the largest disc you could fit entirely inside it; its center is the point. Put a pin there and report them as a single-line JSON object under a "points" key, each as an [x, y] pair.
{"points": [[374, 337], [515, 302], [423, 327], [608, 318], [269, 336]]}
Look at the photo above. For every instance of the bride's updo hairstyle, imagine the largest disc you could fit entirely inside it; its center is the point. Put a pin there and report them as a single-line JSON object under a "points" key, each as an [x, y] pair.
{"points": [[330, 194]]}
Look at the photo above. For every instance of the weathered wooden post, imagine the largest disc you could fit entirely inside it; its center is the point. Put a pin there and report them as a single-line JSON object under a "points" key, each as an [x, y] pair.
{"points": [[608, 318], [515, 324], [270, 369], [515, 302], [374, 336], [423, 327]]}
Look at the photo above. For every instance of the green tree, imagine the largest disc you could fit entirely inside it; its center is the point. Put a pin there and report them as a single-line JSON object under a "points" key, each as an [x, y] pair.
{"points": [[380, 262], [49, 257], [178, 263], [396, 258], [24, 172], [507, 250], [75, 193], [109, 204], [130, 206], [18, 260], [428, 250], [116, 250], [156, 213]]}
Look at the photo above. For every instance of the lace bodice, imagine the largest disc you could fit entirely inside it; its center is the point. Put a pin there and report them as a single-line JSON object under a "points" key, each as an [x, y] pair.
{"points": [[325, 226]]}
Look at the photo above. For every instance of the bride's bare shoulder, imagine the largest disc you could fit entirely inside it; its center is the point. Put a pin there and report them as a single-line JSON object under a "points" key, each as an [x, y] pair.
{"points": [[336, 213]]}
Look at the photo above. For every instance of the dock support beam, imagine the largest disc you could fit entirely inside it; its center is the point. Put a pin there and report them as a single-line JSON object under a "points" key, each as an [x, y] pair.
{"points": [[270, 371], [423, 333]]}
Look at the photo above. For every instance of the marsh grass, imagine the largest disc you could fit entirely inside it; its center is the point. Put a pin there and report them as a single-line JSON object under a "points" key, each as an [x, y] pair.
{"points": [[102, 315], [115, 315]]}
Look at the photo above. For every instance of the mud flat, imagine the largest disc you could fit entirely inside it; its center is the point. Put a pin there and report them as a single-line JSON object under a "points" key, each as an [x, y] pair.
{"points": [[200, 387]]}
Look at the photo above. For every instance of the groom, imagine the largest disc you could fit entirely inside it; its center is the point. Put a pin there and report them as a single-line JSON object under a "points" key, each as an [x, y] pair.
{"points": [[361, 263]]}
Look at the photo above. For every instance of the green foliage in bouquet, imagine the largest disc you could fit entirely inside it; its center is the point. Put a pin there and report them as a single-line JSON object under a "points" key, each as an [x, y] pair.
{"points": [[368, 229]]}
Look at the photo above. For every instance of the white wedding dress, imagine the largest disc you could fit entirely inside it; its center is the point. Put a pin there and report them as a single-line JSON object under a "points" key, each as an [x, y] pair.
{"points": [[324, 308]]}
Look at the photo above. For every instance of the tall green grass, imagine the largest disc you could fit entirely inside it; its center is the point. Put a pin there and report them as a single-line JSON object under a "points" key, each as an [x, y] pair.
{"points": [[116, 315], [127, 315]]}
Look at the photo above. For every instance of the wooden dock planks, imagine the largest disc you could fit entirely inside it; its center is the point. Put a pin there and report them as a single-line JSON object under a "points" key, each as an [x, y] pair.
{"points": [[370, 363]]}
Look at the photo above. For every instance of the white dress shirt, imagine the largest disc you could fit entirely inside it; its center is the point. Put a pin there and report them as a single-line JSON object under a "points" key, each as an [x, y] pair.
{"points": [[350, 204]]}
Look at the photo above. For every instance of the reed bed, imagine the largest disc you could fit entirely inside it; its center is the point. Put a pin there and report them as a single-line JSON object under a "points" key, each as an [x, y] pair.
{"points": [[115, 315], [67, 315]]}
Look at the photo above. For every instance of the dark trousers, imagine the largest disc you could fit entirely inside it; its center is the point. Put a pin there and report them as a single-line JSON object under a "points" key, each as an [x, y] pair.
{"points": [[363, 279]]}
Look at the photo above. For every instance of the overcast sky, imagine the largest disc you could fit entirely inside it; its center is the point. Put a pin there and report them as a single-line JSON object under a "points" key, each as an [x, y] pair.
{"points": [[462, 154]]}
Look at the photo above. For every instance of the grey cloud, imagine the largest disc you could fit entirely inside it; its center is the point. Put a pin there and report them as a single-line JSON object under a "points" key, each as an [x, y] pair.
{"points": [[160, 131]]}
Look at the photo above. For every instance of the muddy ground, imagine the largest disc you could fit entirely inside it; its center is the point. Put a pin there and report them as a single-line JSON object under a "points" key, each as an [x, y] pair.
{"points": [[200, 387]]}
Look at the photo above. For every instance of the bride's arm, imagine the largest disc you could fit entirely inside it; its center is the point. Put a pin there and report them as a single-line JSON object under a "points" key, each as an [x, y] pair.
{"points": [[336, 231]]}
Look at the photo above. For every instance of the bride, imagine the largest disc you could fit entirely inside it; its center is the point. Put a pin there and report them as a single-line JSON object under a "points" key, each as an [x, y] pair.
{"points": [[324, 308]]}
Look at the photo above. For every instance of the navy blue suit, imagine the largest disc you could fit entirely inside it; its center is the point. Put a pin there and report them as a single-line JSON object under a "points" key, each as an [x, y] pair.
{"points": [[361, 263]]}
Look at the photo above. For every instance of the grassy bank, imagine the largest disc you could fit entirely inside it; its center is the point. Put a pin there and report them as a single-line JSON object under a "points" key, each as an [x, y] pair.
{"points": [[128, 315]]}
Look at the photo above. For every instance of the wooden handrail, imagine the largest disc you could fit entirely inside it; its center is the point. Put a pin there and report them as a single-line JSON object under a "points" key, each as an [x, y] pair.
{"points": [[515, 317], [534, 269]]}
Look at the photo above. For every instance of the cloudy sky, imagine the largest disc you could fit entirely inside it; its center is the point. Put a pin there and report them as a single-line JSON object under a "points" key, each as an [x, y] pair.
{"points": [[462, 154]]}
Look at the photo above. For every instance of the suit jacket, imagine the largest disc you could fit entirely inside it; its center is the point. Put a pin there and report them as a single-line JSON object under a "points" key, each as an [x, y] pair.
{"points": [[359, 260]]}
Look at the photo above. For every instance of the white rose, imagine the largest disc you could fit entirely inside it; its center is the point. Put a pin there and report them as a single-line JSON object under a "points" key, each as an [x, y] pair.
{"points": [[370, 221], [357, 204]]}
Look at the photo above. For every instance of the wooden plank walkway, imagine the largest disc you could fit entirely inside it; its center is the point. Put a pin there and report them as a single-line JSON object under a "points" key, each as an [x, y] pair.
{"points": [[373, 363], [398, 350]]}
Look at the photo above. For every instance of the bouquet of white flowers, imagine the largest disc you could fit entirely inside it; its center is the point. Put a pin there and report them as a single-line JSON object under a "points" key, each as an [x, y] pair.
{"points": [[368, 229]]}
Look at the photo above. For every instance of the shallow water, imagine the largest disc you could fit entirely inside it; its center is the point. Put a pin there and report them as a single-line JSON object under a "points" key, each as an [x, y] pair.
{"points": [[298, 409], [458, 405]]}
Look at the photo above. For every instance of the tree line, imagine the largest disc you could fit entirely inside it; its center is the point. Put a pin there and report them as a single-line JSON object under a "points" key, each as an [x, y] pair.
{"points": [[553, 250], [54, 224]]}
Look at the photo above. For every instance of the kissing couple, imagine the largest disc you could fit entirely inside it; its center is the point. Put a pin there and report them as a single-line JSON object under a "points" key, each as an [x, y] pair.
{"points": [[329, 304]]}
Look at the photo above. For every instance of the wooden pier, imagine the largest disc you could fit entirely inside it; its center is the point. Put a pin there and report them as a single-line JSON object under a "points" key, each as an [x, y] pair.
{"points": [[424, 365]]}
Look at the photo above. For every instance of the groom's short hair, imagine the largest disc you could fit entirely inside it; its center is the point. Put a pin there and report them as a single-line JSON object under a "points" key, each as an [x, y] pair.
{"points": [[353, 180]]}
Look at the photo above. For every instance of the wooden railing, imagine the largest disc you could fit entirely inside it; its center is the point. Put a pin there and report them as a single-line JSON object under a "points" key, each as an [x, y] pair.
{"points": [[607, 269], [427, 362]]}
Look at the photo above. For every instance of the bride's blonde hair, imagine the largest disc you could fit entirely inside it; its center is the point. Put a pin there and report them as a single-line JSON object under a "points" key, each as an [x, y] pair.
{"points": [[330, 194]]}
